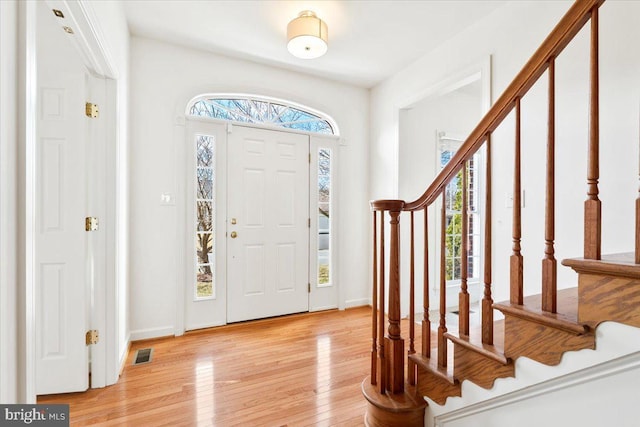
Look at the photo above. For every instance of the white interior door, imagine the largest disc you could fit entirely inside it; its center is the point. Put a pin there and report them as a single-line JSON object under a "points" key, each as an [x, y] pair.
{"points": [[268, 223], [61, 269], [61, 241]]}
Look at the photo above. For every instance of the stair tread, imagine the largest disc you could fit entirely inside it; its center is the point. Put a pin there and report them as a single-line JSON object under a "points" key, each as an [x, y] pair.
{"points": [[474, 343], [622, 264], [431, 364], [566, 317]]}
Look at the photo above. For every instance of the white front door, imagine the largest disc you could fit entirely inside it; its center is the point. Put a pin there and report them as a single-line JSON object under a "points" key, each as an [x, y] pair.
{"points": [[267, 223]]}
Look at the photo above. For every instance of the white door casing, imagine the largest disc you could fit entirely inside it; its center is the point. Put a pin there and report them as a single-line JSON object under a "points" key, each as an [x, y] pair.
{"points": [[268, 198], [96, 206]]}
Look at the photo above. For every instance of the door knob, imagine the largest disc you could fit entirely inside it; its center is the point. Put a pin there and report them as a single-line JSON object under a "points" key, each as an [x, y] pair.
{"points": [[234, 234]]}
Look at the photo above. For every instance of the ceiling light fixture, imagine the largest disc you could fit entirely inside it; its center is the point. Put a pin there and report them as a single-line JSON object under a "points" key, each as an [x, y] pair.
{"points": [[307, 36]]}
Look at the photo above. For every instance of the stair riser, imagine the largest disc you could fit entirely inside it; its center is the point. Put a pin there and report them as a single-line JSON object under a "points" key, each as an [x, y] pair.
{"points": [[435, 387], [542, 343], [469, 365], [604, 297]]}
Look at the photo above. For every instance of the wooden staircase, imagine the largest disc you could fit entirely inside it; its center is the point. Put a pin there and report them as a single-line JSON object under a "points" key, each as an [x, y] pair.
{"points": [[541, 327]]}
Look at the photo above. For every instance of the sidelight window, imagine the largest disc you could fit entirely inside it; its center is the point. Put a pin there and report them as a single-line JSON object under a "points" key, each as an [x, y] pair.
{"points": [[205, 199], [324, 216]]}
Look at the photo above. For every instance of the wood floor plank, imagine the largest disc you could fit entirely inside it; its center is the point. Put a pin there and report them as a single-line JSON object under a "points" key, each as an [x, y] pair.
{"points": [[300, 370]]}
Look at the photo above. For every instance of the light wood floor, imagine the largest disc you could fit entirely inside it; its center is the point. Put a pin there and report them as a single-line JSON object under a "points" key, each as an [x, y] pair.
{"points": [[300, 370]]}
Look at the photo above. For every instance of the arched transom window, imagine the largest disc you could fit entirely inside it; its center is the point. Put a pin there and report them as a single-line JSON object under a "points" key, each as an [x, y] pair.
{"points": [[251, 109]]}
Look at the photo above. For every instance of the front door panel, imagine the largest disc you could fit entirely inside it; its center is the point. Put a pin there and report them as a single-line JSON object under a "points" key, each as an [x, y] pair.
{"points": [[267, 227]]}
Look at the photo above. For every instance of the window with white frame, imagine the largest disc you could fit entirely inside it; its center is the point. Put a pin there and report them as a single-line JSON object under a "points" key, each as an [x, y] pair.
{"points": [[453, 210], [245, 109], [253, 109], [324, 216], [205, 199]]}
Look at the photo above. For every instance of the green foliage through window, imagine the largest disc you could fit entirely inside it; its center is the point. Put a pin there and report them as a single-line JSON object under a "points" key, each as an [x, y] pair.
{"points": [[453, 221]]}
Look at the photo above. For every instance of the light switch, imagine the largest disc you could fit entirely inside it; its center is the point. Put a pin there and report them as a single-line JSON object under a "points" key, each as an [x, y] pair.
{"points": [[167, 199]]}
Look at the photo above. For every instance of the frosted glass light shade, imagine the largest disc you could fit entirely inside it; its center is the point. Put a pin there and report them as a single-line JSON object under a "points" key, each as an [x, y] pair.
{"points": [[307, 36]]}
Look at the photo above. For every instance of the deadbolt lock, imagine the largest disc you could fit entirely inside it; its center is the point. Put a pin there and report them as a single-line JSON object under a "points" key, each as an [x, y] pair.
{"points": [[233, 221]]}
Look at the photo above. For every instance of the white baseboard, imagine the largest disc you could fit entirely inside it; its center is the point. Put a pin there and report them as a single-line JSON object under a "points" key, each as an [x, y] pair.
{"points": [[328, 307], [145, 334], [204, 326], [357, 302]]}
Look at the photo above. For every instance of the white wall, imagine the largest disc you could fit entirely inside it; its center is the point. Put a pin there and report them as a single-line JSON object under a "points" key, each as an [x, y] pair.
{"points": [[510, 35], [8, 203], [456, 113], [164, 78]]}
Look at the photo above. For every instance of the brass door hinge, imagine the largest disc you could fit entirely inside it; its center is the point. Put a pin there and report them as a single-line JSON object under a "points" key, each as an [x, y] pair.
{"points": [[91, 223], [92, 337], [91, 110]]}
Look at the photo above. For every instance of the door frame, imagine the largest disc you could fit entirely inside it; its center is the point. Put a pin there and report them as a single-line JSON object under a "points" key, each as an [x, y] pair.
{"points": [[182, 127], [90, 44]]}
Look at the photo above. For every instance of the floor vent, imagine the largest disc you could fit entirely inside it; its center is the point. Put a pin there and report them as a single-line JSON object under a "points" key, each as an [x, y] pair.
{"points": [[143, 356]]}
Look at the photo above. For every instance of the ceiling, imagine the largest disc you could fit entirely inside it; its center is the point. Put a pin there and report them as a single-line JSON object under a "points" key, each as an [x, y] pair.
{"points": [[368, 40]]}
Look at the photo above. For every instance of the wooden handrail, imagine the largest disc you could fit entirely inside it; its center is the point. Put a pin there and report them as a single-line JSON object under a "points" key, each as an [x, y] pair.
{"points": [[575, 18]]}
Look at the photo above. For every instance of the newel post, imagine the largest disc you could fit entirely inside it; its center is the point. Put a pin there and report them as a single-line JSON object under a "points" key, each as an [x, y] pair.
{"points": [[392, 360], [394, 342]]}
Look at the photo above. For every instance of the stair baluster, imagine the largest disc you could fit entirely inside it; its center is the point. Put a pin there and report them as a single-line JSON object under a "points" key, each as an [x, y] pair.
{"points": [[426, 323], [411, 368], [374, 304], [516, 274], [593, 206], [442, 328], [549, 263], [463, 299], [487, 301], [382, 366]]}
